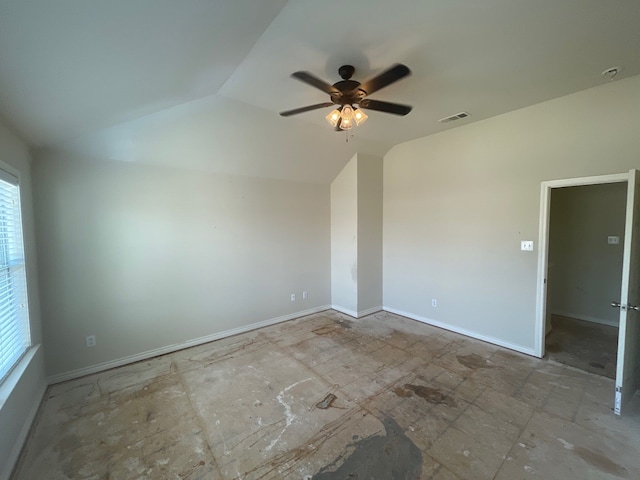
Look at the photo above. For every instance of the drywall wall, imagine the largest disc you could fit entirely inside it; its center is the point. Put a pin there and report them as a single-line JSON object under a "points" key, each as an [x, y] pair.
{"points": [[457, 204], [369, 233], [146, 257], [584, 271], [356, 236], [21, 392], [344, 239]]}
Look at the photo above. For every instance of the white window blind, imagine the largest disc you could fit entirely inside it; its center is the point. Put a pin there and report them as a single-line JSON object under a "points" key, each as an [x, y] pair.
{"points": [[14, 317]]}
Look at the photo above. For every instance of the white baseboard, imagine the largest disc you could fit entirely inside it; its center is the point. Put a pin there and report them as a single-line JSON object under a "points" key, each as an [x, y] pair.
{"points": [[586, 318], [369, 311], [463, 331], [358, 314], [81, 372], [346, 311], [24, 433]]}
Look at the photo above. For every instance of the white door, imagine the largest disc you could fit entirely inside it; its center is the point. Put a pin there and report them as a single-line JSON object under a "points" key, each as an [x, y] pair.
{"points": [[628, 369]]}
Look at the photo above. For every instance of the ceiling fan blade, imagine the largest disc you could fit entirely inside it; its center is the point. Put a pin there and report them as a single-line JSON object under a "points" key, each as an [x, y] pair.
{"points": [[314, 81], [296, 111], [387, 77], [387, 107]]}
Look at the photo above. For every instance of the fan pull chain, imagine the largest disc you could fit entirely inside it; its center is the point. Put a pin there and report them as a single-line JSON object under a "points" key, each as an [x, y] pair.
{"points": [[347, 132]]}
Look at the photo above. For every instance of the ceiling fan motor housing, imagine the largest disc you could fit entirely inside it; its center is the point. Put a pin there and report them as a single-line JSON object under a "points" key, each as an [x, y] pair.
{"points": [[350, 92]]}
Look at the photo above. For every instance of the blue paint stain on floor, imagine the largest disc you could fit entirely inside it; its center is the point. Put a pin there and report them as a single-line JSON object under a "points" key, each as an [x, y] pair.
{"points": [[378, 457]]}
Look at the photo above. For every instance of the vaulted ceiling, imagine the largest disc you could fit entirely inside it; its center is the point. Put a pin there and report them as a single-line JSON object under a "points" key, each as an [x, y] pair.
{"points": [[199, 84]]}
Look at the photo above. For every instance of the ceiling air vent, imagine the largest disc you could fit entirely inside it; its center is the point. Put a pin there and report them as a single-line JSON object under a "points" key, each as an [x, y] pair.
{"points": [[453, 118]]}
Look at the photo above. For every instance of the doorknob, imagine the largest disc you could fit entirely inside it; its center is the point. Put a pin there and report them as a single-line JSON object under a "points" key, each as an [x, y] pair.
{"points": [[625, 307]]}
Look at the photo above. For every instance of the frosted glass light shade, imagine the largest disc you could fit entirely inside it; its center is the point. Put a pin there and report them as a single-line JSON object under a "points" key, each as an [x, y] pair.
{"points": [[347, 118], [333, 117], [360, 117]]}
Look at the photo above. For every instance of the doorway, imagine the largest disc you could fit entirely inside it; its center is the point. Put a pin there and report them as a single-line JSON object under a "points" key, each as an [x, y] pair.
{"points": [[584, 275], [627, 378]]}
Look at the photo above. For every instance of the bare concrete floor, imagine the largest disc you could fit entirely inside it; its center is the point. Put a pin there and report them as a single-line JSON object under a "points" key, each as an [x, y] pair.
{"points": [[411, 402], [585, 345]]}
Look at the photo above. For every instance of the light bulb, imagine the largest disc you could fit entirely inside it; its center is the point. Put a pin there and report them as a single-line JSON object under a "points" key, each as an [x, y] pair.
{"points": [[346, 124]]}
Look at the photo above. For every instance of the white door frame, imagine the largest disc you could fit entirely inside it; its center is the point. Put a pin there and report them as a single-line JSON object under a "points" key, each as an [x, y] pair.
{"points": [[543, 243]]}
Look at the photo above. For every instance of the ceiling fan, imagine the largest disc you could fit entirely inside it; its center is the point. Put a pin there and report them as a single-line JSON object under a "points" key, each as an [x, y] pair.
{"points": [[350, 96]]}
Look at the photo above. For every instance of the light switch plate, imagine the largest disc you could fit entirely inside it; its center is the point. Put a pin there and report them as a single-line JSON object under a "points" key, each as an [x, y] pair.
{"points": [[613, 240], [526, 245]]}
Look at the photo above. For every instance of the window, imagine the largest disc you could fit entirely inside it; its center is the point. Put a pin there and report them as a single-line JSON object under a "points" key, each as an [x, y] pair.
{"points": [[14, 316]]}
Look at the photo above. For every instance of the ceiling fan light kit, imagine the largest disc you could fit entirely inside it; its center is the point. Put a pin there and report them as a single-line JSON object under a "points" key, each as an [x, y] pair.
{"points": [[344, 117], [350, 96]]}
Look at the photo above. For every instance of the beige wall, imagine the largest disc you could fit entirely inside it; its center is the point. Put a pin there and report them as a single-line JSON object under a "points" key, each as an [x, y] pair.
{"points": [[21, 392], [457, 204], [344, 239], [369, 233], [356, 236], [149, 257], [585, 272]]}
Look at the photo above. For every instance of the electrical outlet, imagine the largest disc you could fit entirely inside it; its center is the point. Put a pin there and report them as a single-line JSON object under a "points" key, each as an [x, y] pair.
{"points": [[293, 297], [91, 340], [434, 302], [304, 295]]}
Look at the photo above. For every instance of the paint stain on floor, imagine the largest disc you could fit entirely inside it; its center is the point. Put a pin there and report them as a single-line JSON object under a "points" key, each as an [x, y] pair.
{"points": [[326, 401], [392, 456], [601, 462], [431, 395], [402, 392], [474, 361], [344, 323], [326, 330]]}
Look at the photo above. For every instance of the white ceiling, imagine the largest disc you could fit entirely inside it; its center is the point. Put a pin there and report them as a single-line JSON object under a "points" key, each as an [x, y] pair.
{"points": [[198, 83]]}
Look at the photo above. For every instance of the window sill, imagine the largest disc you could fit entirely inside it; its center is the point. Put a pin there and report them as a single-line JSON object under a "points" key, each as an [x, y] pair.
{"points": [[9, 384]]}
